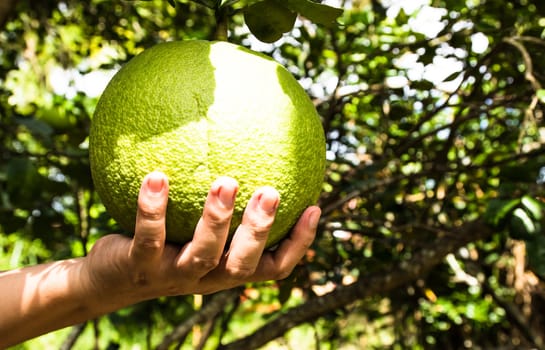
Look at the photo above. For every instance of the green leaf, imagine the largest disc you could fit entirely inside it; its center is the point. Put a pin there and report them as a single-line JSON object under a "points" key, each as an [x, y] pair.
{"points": [[517, 229], [533, 206], [227, 2], [268, 20], [36, 126], [23, 181], [498, 209], [244, 3], [422, 85], [535, 250], [209, 3], [522, 226], [317, 13], [451, 77], [541, 95]]}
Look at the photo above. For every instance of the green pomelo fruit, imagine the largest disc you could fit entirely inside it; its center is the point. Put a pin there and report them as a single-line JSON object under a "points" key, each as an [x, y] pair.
{"points": [[269, 19], [197, 110]]}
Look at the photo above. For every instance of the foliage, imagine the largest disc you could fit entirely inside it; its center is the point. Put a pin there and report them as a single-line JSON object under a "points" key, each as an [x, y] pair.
{"points": [[432, 228]]}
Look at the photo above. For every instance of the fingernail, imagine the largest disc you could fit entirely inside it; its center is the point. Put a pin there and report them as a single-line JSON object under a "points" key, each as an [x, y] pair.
{"points": [[314, 219], [225, 189], [156, 182], [268, 200], [227, 198]]}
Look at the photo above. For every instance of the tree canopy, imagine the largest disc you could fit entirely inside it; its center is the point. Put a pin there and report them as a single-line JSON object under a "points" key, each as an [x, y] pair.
{"points": [[433, 199]]}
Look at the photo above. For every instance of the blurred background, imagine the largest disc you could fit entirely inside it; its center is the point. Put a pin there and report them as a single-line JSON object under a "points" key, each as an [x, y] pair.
{"points": [[433, 200]]}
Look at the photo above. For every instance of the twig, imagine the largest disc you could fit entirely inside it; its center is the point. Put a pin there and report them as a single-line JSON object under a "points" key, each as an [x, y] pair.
{"points": [[516, 317], [227, 317], [73, 336], [529, 71], [207, 312], [368, 187], [82, 208], [530, 77], [529, 39], [208, 328]]}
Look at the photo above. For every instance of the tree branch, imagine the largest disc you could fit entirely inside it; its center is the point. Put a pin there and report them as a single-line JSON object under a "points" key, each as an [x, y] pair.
{"points": [[398, 275], [529, 66], [368, 187], [208, 312], [73, 336], [516, 317]]}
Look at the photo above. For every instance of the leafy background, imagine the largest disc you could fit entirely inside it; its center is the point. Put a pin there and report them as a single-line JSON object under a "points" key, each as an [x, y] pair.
{"points": [[433, 210]]}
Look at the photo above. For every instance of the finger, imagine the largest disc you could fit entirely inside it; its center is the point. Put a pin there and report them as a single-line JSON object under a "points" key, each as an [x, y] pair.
{"points": [[149, 234], [204, 252], [280, 263], [251, 236]]}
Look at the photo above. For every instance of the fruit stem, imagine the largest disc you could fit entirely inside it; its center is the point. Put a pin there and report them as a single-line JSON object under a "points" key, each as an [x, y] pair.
{"points": [[222, 24]]}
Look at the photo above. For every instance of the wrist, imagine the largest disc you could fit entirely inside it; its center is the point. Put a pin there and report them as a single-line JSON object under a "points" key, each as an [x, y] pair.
{"points": [[105, 285]]}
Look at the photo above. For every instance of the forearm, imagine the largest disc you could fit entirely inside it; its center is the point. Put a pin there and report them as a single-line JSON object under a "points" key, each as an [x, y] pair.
{"points": [[39, 299], [119, 271]]}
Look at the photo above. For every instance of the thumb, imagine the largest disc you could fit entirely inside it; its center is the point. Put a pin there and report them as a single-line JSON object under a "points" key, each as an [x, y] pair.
{"points": [[150, 232]]}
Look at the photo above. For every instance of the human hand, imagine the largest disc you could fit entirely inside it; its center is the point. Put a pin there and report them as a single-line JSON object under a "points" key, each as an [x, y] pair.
{"points": [[122, 271]]}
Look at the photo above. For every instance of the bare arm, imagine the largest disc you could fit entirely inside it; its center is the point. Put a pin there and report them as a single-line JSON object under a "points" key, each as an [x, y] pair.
{"points": [[41, 298], [120, 271]]}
